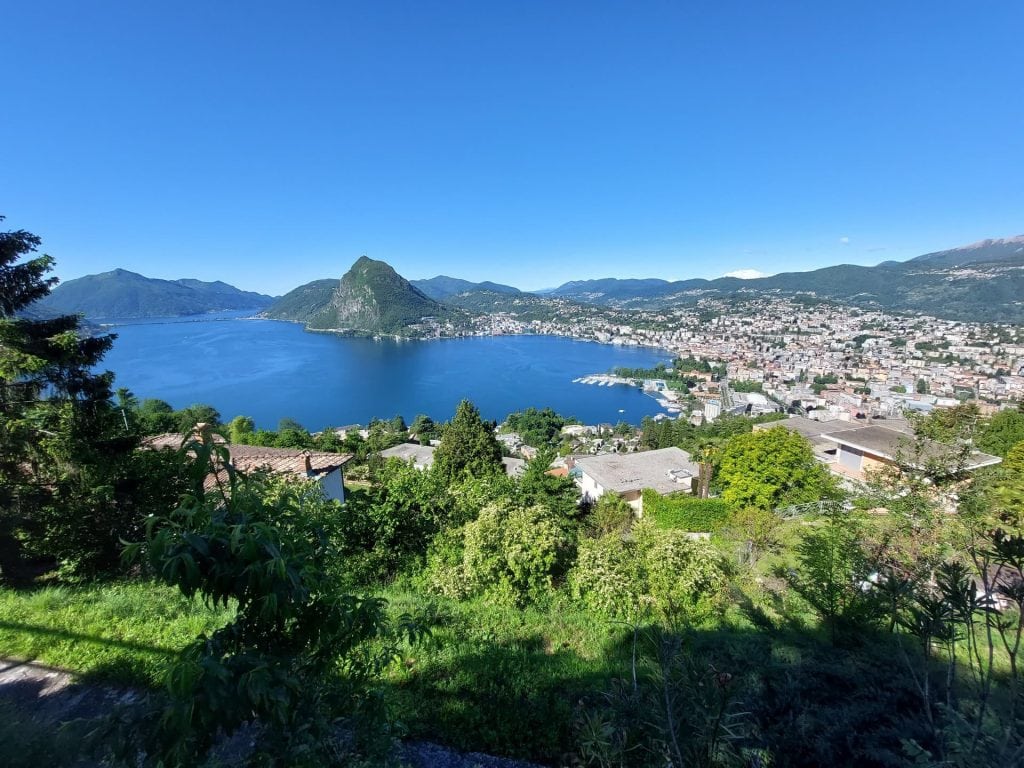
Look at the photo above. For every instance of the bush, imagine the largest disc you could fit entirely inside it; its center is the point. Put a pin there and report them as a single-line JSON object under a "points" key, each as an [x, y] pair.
{"points": [[512, 554], [686, 513], [298, 652], [611, 514], [654, 569]]}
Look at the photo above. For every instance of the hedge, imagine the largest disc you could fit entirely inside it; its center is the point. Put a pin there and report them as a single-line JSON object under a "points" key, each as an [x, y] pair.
{"points": [[685, 513]]}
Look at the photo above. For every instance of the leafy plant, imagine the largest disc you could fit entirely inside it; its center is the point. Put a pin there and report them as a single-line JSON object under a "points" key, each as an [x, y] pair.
{"points": [[296, 657], [686, 513]]}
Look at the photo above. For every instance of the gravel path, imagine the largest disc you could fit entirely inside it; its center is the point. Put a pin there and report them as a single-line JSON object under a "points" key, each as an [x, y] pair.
{"points": [[48, 695]]}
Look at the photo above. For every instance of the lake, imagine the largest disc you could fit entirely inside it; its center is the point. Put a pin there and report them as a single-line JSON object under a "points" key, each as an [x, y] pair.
{"points": [[269, 370]]}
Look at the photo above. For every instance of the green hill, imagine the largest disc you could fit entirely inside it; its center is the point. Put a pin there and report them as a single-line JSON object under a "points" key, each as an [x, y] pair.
{"points": [[442, 287], [370, 298], [983, 281], [121, 294]]}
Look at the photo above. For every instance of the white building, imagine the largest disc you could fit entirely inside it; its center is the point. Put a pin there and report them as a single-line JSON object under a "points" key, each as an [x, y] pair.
{"points": [[668, 470]]}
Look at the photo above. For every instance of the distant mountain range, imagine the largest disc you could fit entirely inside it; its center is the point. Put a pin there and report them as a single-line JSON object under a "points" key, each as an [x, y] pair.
{"points": [[983, 281], [443, 287], [370, 298], [121, 294]]}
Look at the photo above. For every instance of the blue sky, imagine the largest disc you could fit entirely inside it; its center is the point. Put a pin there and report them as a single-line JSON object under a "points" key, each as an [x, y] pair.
{"points": [[268, 144]]}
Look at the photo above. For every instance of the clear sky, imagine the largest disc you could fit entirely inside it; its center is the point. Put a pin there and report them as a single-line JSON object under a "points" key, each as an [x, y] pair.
{"points": [[268, 144]]}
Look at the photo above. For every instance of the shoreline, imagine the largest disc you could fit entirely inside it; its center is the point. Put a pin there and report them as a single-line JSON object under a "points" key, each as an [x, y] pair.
{"points": [[669, 405]]}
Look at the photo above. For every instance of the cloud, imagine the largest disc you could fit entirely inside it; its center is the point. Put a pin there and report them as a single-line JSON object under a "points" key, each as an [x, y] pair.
{"points": [[844, 240], [746, 274]]}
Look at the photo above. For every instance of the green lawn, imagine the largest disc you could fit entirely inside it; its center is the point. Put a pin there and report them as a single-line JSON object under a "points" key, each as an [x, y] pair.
{"points": [[118, 631], [503, 680]]}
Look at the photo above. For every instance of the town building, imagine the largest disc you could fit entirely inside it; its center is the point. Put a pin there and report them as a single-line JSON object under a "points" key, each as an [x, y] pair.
{"points": [[667, 470]]}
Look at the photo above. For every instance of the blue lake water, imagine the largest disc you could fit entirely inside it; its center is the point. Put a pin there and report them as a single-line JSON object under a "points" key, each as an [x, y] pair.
{"points": [[269, 370]]}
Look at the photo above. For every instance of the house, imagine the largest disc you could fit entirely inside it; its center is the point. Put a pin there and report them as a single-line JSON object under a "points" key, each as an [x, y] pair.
{"points": [[868, 449], [326, 468], [668, 470], [853, 449], [422, 456]]}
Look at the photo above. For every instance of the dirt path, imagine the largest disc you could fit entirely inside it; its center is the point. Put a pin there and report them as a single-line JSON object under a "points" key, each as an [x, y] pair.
{"points": [[47, 695]]}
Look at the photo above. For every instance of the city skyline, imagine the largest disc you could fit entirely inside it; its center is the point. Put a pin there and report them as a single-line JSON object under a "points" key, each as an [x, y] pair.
{"points": [[529, 145]]}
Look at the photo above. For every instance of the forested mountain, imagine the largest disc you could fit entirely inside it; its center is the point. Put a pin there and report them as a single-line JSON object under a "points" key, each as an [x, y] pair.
{"points": [[121, 294], [370, 298], [983, 281], [442, 287]]}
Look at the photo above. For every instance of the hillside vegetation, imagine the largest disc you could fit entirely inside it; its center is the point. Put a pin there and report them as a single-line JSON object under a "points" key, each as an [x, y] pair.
{"points": [[121, 294], [370, 298], [981, 282]]}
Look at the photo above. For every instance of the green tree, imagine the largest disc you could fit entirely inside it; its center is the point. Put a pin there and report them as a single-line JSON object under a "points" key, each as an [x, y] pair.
{"points": [[557, 493], [128, 405], [1002, 432], [1005, 488], [291, 434], [297, 653], [538, 428], [922, 387], [241, 429], [328, 440], [468, 446], [510, 553], [156, 417], [386, 530], [55, 412], [832, 567], [653, 568], [757, 529], [772, 468], [198, 413], [382, 435], [424, 429], [611, 514]]}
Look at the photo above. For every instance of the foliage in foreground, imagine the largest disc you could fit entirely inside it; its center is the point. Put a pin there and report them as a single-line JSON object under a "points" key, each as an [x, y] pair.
{"points": [[650, 573], [294, 658]]}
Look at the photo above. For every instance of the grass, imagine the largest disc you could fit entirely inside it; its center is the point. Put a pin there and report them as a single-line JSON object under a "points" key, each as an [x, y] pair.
{"points": [[493, 678], [124, 632], [503, 680]]}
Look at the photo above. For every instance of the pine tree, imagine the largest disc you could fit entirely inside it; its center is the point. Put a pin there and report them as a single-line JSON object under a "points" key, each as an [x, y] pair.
{"points": [[468, 445], [52, 406]]}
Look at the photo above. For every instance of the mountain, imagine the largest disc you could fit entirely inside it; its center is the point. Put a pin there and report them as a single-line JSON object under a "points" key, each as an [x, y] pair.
{"points": [[121, 294], [442, 287], [609, 289], [983, 281], [984, 251], [370, 298]]}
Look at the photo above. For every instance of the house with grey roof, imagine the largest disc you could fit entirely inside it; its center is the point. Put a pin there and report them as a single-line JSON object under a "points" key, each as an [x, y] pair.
{"points": [[854, 449], [872, 448], [422, 456], [667, 470]]}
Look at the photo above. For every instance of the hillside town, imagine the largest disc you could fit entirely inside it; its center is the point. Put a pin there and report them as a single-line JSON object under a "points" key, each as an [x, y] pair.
{"points": [[815, 355]]}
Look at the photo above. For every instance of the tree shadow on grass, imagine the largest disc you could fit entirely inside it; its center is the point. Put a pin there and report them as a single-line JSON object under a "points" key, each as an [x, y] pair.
{"points": [[513, 698], [805, 702], [45, 714], [134, 668], [80, 637]]}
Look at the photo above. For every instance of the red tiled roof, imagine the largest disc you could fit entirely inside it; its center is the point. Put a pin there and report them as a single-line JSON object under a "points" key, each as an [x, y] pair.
{"points": [[249, 458]]}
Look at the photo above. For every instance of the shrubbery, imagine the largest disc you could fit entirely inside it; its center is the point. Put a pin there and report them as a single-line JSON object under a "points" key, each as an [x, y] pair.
{"points": [[686, 513], [510, 553], [652, 570]]}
